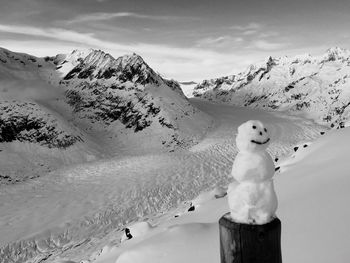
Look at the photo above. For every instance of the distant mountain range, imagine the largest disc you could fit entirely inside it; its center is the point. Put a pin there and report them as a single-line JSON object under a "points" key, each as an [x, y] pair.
{"points": [[318, 86], [87, 105]]}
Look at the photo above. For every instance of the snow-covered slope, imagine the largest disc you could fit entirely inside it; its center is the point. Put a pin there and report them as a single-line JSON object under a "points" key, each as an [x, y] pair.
{"points": [[29, 121], [318, 86], [14, 66], [313, 195], [90, 105], [71, 213]]}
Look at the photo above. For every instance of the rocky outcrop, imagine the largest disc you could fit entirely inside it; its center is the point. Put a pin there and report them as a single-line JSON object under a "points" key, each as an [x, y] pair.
{"points": [[28, 122]]}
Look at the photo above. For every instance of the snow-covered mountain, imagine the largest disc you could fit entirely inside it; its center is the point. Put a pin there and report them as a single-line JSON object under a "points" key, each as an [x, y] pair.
{"points": [[88, 105], [318, 86], [130, 101]]}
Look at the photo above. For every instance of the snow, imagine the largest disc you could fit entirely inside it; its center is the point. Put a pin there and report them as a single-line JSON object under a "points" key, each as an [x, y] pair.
{"points": [[252, 137], [76, 210], [313, 195], [66, 62], [165, 247], [313, 201], [252, 203], [188, 88]]}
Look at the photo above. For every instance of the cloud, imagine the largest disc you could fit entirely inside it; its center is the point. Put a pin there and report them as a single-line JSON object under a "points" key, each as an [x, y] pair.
{"points": [[92, 41], [268, 34], [249, 32], [174, 62], [54, 33], [221, 41], [248, 27], [101, 16], [266, 45]]}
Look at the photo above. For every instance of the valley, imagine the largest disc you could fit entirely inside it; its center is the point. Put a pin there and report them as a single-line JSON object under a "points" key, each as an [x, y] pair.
{"points": [[72, 210]]}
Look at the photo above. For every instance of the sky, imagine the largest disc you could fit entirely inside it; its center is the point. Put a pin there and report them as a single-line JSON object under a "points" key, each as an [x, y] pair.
{"points": [[181, 39]]}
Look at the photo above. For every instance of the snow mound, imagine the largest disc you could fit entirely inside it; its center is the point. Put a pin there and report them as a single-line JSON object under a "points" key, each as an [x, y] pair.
{"points": [[170, 245]]}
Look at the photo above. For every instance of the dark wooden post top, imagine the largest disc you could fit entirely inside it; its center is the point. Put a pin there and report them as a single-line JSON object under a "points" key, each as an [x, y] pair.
{"points": [[248, 243]]}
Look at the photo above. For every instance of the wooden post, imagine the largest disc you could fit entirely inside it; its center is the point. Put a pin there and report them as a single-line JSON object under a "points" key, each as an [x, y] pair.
{"points": [[244, 243]]}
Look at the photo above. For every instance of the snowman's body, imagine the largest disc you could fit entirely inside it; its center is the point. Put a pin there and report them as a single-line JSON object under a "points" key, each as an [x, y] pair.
{"points": [[251, 196], [253, 166]]}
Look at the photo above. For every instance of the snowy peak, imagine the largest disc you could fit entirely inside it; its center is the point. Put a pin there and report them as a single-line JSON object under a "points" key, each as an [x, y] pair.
{"points": [[134, 68], [131, 60], [73, 58], [99, 59], [100, 65], [331, 54], [337, 53]]}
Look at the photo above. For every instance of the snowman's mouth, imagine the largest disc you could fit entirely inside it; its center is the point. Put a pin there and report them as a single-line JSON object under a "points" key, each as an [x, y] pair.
{"points": [[253, 141]]}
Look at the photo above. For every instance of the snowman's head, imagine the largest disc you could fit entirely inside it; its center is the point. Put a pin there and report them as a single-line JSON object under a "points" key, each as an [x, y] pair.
{"points": [[252, 136]]}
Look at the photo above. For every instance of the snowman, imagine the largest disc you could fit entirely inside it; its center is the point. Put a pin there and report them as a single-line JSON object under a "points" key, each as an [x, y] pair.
{"points": [[251, 196]]}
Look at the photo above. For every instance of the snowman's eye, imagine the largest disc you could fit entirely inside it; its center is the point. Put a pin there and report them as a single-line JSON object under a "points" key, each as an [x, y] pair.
{"points": [[254, 127], [265, 129]]}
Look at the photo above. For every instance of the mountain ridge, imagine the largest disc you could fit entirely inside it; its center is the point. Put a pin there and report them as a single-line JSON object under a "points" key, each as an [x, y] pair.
{"points": [[314, 85]]}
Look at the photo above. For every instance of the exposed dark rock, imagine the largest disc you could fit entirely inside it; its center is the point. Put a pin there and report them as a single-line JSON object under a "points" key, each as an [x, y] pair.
{"points": [[288, 88], [104, 104], [26, 122], [192, 208], [86, 73], [163, 122], [127, 233], [73, 73]]}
